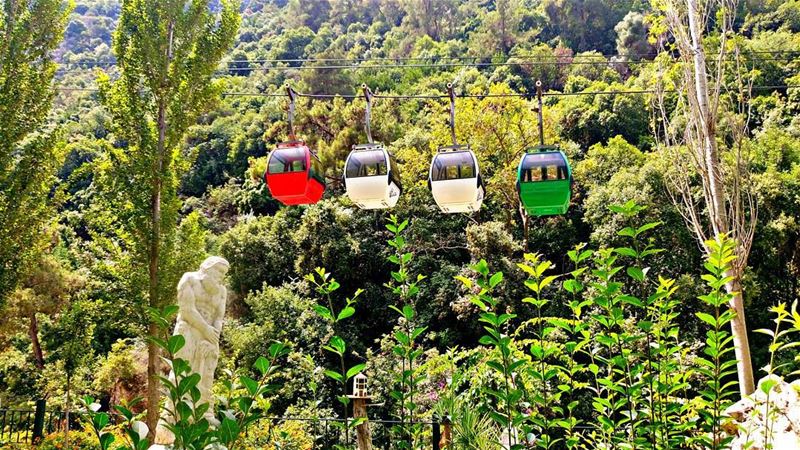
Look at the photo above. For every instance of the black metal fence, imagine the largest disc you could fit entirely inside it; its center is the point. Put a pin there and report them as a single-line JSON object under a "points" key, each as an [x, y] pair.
{"points": [[23, 426], [327, 431], [20, 426]]}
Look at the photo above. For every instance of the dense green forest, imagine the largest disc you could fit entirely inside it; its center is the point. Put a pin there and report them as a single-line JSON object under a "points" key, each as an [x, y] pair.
{"points": [[75, 307]]}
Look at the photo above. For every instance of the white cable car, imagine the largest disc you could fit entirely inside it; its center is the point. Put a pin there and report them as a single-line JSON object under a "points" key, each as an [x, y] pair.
{"points": [[455, 180], [371, 178]]}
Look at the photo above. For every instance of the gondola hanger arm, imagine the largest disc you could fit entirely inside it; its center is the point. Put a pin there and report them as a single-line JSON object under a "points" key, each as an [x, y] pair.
{"points": [[451, 93], [292, 95], [368, 112]]}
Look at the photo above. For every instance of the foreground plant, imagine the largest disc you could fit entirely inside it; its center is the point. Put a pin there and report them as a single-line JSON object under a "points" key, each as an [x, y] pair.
{"points": [[325, 285], [134, 430], [405, 287], [717, 366], [504, 360], [183, 413], [241, 407], [542, 350]]}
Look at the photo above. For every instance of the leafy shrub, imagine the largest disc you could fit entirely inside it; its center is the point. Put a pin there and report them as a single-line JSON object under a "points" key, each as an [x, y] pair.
{"points": [[78, 440], [287, 435]]}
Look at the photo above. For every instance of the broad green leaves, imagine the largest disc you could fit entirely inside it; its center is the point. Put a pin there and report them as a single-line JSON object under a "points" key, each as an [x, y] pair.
{"points": [[326, 286], [405, 287]]}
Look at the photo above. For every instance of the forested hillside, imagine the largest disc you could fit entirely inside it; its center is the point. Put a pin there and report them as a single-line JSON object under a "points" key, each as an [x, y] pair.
{"points": [[606, 68]]}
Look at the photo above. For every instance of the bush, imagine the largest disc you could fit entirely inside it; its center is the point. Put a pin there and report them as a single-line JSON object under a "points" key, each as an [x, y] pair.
{"points": [[289, 435], [78, 440]]}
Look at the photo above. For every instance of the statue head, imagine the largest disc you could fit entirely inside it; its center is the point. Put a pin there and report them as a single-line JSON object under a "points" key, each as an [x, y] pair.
{"points": [[215, 268]]}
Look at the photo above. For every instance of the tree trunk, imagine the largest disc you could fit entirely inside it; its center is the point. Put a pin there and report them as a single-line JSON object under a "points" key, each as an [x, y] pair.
{"points": [[744, 365], [66, 426], [707, 122], [36, 346], [717, 209], [153, 385], [153, 353]]}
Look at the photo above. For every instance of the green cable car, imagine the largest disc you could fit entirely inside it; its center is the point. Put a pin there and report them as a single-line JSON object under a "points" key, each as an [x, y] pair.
{"points": [[544, 181]]}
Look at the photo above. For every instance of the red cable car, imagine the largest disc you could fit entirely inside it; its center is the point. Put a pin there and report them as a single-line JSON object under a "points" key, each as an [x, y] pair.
{"points": [[291, 177]]}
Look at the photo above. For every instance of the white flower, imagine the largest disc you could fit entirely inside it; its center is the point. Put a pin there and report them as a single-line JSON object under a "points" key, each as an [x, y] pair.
{"points": [[140, 428], [95, 407]]}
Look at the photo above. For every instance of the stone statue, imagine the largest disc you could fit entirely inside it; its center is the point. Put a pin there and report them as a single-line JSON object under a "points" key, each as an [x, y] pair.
{"points": [[201, 301]]}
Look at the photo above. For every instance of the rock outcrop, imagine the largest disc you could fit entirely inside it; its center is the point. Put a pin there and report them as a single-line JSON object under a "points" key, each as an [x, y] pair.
{"points": [[769, 418]]}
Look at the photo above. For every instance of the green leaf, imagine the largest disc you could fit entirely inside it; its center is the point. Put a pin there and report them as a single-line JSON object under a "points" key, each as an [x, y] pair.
{"points": [[495, 279], [125, 412], [417, 331], [402, 226], [345, 313], [324, 312], [262, 365], [481, 267], [335, 375], [408, 312], [100, 420], [707, 318], [647, 226], [250, 384], [465, 281], [635, 273], [175, 343], [767, 384], [402, 337], [573, 286], [106, 439], [626, 251], [353, 371], [170, 311], [228, 430], [277, 349], [338, 343]]}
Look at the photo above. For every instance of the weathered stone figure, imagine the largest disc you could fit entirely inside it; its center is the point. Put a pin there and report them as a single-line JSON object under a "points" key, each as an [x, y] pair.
{"points": [[201, 301]]}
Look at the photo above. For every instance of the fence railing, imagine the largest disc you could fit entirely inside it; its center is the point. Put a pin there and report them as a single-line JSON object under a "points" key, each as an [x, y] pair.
{"points": [[23, 426], [20, 426], [326, 434]]}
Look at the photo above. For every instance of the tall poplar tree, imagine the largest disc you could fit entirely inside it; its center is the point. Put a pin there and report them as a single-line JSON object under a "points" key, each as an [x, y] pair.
{"points": [[705, 118], [30, 30], [167, 52]]}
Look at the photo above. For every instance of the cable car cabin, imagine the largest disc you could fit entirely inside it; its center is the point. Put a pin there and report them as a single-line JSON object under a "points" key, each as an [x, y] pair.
{"points": [[291, 177], [455, 180], [371, 178], [544, 183]]}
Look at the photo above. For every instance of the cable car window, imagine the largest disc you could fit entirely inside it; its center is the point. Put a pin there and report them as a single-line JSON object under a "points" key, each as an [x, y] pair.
{"points": [[544, 167], [453, 166], [394, 172], [366, 164], [287, 160]]}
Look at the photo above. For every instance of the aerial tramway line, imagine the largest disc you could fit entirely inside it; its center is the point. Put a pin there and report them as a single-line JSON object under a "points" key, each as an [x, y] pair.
{"points": [[372, 178]]}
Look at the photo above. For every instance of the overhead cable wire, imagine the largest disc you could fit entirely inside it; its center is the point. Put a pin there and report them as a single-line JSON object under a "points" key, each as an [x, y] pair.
{"points": [[442, 65], [267, 65], [624, 58], [445, 95]]}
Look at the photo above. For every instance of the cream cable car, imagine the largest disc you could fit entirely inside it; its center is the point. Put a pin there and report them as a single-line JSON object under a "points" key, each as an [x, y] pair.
{"points": [[371, 178], [454, 178]]}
